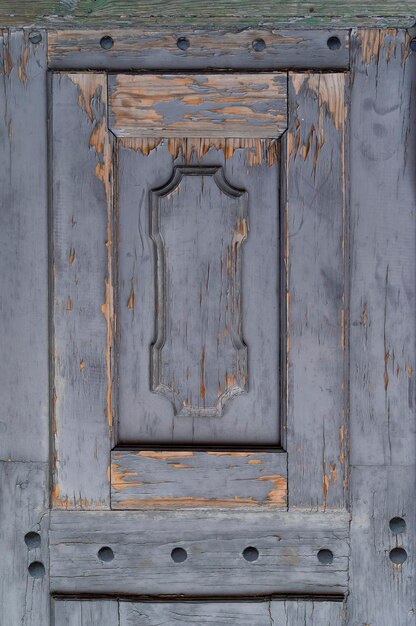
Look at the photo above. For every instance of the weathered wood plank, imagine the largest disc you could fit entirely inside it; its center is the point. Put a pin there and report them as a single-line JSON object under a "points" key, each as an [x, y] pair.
{"points": [[24, 594], [145, 49], [83, 294], [275, 612], [24, 441], [234, 479], [142, 543], [23, 249], [383, 344], [380, 494], [383, 255], [196, 12], [316, 343], [307, 613], [86, 613], [206, 105], [250, 418]]}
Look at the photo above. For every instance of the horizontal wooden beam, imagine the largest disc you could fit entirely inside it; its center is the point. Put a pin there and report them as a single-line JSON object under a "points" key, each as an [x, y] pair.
{"points": [[235, 479], [172, 553], [112, 612], [199, 12], [184, 105], [198, 49]]}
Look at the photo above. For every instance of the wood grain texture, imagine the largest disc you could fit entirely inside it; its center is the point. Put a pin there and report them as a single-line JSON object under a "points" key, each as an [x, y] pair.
{"points": [[24, 600], [267, 613], [198, 225], [147, 49], [253, 417], [315, 257], [271, 613], [191, 479], [206, 105], [142, 543], [24, 441], [382, 334], [23, 250], [196, 12], [83, 295], [86, 613]]}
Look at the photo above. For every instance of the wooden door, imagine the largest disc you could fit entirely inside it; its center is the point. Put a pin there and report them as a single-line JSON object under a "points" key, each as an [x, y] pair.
{"points": [[220, 288]]}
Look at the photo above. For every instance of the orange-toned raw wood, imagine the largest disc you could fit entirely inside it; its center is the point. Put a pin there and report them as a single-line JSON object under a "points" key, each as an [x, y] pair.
{"points": [[185, 105], [278, 495], [171, 454], [187, 503], [118, 478], [258, 151]]}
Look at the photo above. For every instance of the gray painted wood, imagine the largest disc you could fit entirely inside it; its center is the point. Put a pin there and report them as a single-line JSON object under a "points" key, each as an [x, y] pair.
{"points": [[383, 345], [24, 599], [82, 291], [24, 441], [191, 478], [198, 225], [146, 417], [306, 613], [149, 49], [142, 543], [23, 250], [314, 234], [86, 613], [270, 613], [273, 613], [192, 105], [380, 494]]}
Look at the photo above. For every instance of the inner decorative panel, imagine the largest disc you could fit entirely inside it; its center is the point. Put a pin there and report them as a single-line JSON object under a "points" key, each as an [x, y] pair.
{"points": [[197, 256], [198, 223]]}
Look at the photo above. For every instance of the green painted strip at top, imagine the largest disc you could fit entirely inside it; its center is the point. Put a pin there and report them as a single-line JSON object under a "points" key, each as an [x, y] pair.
{"points": [[239, 13]]}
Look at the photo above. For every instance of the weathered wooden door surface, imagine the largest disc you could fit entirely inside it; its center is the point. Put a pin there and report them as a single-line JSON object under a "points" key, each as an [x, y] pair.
{"points": [[208, 243]]}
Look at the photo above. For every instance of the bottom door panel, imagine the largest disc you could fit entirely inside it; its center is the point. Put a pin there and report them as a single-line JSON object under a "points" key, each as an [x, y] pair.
{"points": [[270, 613]]}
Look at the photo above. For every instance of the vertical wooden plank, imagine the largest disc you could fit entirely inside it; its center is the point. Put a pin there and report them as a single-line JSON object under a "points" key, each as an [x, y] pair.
{"points": [[24, 592], [383, 342], [23, 249], [24, 442], [314, 233], [86, 613], [83, 294]]}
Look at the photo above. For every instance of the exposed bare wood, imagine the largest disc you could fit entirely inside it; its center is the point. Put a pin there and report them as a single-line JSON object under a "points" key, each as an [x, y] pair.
{"points": [[235, 479], [208, 105]]}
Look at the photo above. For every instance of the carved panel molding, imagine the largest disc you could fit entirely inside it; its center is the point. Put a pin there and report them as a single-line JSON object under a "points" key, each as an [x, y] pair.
{"points": [[198, 223]]}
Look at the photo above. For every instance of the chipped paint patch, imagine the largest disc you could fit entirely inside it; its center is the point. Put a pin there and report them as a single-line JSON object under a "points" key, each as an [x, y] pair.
{"points": [[372, 42], [278, 495], [257, 151], [130, 302], [121, 479], [183, 503], [171, 454]]}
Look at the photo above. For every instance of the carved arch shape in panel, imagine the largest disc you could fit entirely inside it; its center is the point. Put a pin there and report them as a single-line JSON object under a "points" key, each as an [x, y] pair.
{"points": [[198, 223]]}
